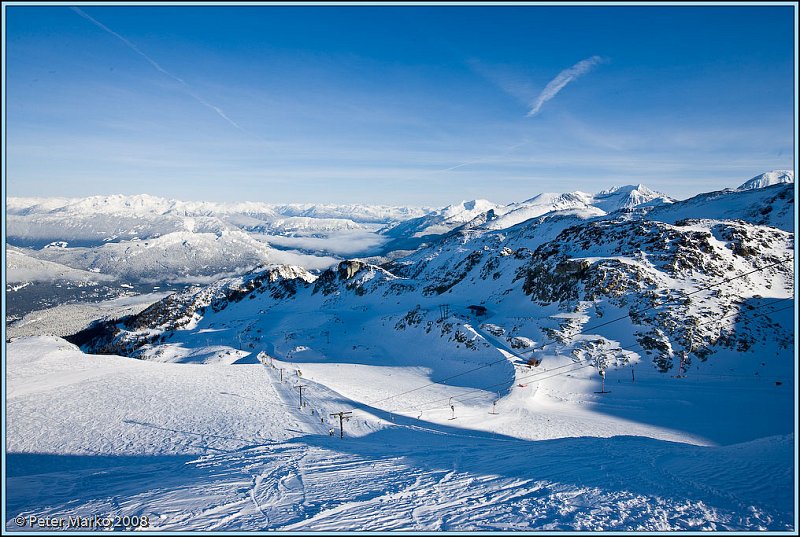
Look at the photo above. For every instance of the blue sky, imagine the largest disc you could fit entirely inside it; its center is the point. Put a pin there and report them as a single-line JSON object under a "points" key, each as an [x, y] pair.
{"points": [[394, 104]]}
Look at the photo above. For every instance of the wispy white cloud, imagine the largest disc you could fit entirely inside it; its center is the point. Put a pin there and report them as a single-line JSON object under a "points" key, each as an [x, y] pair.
{"points": [[561, 80], [341, 243], [516, 86], [486, 159], [189, 91], [507, 79]]}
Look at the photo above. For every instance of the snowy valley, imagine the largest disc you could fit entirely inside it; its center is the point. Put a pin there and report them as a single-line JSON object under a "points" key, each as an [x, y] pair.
{"points": [[612, 361]]}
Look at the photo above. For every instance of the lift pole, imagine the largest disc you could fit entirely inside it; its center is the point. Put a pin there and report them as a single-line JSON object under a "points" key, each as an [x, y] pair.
{"points": [[603, 376], [342, 416], [300, 387]]}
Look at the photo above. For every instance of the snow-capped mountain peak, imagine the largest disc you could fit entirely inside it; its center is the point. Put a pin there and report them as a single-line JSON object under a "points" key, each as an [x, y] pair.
{"points": [[555, 199], [139, 204], [628, 196], [774, 177], [442, 220], [466, 210]]}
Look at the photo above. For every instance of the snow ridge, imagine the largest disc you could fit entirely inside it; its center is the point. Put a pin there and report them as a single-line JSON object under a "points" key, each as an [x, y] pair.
{"points": [[775, 177]]}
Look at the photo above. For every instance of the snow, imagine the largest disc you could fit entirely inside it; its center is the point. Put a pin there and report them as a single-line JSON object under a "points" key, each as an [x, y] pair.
{"points": [[458, 422], [769, 205], [626, 197], [775, 177], [489, 215], [442, 220], [144, 204], [66, 319], [190, 241], [187, 241], [23, 268], [227, 447], [181, 256]]}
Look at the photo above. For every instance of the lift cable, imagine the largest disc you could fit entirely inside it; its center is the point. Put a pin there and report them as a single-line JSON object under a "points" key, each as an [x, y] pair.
{"points": [[583, 331], [628, 347]]}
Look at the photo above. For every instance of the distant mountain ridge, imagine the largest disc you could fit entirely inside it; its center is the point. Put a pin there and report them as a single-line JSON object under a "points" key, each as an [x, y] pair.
{"points": [[147, 205], [441, 220], [542, 281], [143, 237], [775, 177], [497, 216], [628, 197]]}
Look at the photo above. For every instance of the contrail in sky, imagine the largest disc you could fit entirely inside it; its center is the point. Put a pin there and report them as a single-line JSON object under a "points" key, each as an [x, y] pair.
{"points": [[163, 71], [564, 77], [516, 89], [484, 159]]}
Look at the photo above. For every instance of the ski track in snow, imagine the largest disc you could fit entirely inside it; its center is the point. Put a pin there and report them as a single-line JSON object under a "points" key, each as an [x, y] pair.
{"points": [[214, 445], [407, 475], [294, 486]]}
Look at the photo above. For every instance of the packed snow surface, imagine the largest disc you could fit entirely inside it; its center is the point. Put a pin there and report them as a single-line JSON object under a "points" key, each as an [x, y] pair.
{"points": [[228, 447]]}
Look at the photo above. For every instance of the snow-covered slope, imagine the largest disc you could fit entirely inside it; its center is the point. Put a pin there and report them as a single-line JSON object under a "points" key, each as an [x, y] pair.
{"points": [[770, 206], [229, 447], [462, 419], [21, 268], [150, 238], [775, 177], [188, 256], [88, 221], [576, 203], [628, 197], [493, 216], [441, 221], [649, 270]]}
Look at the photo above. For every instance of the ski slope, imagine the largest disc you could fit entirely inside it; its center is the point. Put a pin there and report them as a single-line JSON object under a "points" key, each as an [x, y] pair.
{"points": [[228, 418], [229, 447]]}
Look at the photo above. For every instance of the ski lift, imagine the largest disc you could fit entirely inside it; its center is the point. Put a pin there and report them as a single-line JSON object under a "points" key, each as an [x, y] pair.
{"points": [[603, 376]]}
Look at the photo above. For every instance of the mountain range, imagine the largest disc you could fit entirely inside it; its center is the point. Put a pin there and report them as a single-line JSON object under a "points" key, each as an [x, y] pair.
{"points": [[543, 281], [619, 360]]}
